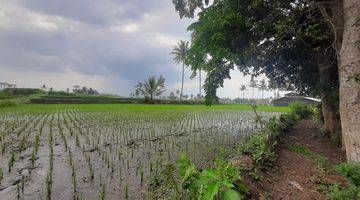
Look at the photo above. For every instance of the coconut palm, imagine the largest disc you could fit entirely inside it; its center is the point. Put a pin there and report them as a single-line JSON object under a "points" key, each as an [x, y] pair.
{"points": [[272, 86], [253, 85], [151, 87], [179, 53], [262, 87], [243, 88]]}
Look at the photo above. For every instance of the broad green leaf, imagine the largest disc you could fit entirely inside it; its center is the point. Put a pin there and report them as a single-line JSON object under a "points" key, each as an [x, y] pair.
{"points": [[200, 181], [227, 183], [211, 191], [231, 194], [210, 174]]}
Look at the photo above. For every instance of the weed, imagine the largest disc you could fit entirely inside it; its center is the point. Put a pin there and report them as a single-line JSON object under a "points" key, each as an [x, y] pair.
{"points": [[256, 175]]}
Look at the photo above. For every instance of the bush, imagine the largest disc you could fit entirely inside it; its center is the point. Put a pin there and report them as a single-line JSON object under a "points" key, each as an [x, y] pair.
{"points": [[10, 93], [301, 109], [7, 103], [220, 182]]}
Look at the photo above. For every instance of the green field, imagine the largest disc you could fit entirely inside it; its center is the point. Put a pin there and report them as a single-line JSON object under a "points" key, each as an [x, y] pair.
{"points": [[79, 151], [114, 107]]}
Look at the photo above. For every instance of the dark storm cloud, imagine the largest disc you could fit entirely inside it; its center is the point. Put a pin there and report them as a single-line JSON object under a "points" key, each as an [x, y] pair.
{"points": [[124, 39]]}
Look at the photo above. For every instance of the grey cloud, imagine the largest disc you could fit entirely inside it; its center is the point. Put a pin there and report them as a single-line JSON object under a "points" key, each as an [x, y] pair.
{"points": [[90, 46]]}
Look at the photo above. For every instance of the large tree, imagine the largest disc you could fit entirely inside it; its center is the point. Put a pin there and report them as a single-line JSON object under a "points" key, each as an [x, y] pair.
{"points": [[283, 39], [296, 43], [349, 70]]}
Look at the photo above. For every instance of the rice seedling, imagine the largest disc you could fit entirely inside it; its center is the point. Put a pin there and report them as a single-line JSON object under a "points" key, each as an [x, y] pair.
{"points": [[11, 161], [1, 175], [128, 148], [102, 193]]}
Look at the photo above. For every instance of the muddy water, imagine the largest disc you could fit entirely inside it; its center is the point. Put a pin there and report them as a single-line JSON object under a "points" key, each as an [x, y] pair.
{"points": [[126, 149]]}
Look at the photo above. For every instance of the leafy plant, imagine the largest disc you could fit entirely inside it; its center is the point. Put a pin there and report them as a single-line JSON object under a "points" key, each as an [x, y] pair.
{"points": [[301, 109], [223, 181], [351, 171]]}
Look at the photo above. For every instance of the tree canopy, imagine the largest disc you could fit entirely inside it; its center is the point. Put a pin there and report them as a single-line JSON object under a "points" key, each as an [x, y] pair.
{"points": [[151, 87], [285, 40]]}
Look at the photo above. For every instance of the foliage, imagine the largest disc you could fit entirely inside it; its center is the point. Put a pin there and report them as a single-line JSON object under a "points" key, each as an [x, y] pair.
{"points": [[59, 94], [223, 181], [84, 90], [7, 103], [338, 192], [260, 146], [10, 93], [151, 87], [301, 109], [179, 53], [285, 40], [351, 171]]}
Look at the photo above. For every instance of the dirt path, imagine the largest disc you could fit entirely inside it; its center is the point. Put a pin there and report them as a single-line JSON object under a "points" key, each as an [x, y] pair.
{"points": [[296, 175]]}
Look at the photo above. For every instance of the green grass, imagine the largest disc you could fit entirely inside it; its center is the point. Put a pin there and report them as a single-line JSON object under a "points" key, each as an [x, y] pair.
{"points": [[114, 107]]}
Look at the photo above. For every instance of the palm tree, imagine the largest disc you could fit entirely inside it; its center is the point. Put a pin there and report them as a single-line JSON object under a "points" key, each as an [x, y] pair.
{"points": [[200, 82], [151, 87], [179, 53], [272, 86], [262, 87], [253, 85], [243, 88]]}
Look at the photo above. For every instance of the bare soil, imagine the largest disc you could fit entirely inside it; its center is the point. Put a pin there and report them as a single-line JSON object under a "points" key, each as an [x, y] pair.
{"points": [[296, 176]]}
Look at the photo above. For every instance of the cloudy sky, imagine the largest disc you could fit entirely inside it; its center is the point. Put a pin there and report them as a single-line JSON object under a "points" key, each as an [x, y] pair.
{"points": [[106, 44]]}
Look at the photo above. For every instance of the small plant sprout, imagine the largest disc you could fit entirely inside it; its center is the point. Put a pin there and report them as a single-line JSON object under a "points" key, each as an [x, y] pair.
{"points": [[126, 191], [33, 158], [1, 175], [11, 161], [102, 194]]}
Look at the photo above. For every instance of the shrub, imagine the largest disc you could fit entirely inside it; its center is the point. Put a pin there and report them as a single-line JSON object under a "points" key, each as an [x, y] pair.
{"points": [[7, 103], [10, 93], [221, 182], [301, 109], [260, 147]]}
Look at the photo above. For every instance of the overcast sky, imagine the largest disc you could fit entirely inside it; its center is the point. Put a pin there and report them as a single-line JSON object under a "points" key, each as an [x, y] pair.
{"points": [[109, 45]]}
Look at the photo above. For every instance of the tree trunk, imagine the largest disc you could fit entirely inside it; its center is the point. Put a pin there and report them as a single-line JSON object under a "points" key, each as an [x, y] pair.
{"points": [[182, 81], [349, 87], [331, 122], [200, 83]]}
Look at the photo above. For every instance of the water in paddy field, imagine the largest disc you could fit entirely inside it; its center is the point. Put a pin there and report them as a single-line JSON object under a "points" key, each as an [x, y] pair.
{"points": [[70, 153]]}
